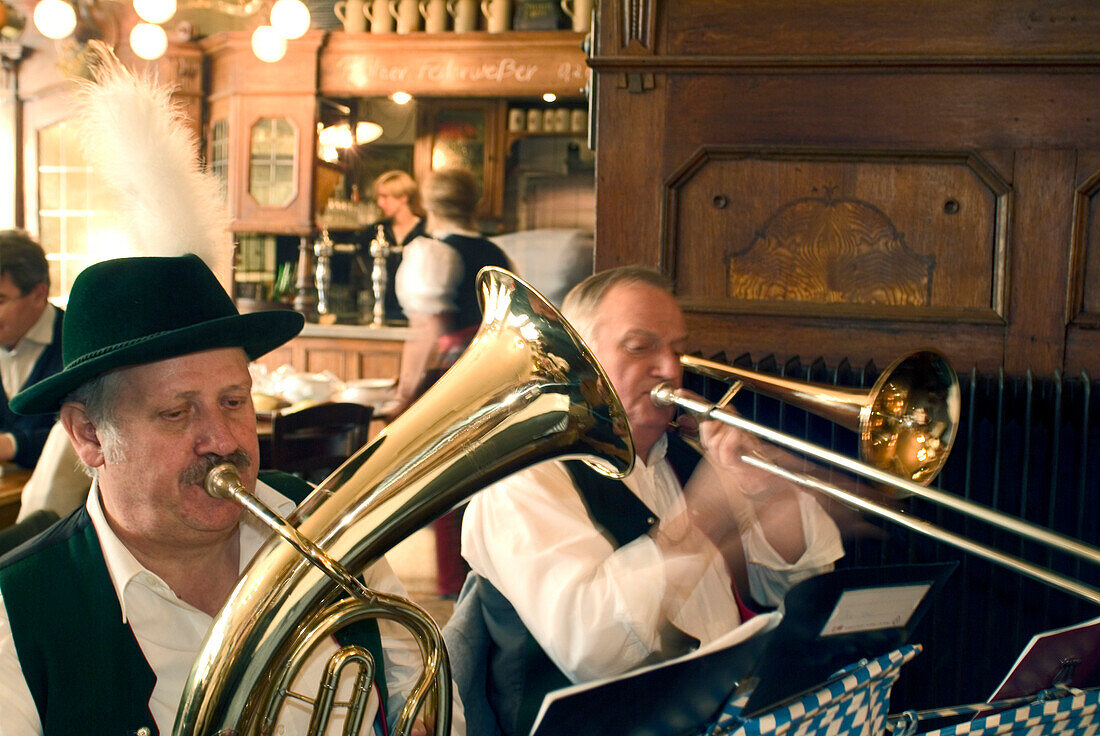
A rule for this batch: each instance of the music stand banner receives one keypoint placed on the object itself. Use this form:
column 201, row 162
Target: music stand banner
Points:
column 855, row 703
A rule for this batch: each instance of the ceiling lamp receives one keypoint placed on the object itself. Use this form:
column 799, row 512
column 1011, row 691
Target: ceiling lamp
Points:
column 401, row 98
column 365, row 132
column 148, row 41
column 335, row 136
column 54, row 18
column 268, row 44
column 290, row 18
column 155, row 11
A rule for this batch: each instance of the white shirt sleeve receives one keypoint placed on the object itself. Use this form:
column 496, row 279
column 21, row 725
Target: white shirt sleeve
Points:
column 427, row 280
column 770, row 576
column 18, row 714
column 595, row 610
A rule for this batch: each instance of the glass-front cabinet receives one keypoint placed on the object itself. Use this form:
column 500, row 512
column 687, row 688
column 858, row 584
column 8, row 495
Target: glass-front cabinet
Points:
column 272, row 163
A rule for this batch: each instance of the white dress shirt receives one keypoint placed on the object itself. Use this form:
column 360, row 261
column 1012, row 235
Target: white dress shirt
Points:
column 16, row 364
column 170, row 633
column 594, row 609
column 427, row 280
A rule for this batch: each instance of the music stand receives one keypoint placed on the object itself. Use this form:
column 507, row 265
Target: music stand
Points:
column 1067, row 656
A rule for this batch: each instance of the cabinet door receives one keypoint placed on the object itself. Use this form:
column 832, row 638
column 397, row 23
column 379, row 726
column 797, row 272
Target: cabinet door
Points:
column 468, row 134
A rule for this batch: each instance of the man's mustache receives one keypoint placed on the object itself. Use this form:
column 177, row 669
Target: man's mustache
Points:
column 195, row 475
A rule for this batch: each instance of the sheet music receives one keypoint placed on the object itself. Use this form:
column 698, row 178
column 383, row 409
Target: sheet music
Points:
column 756, row 625
column 870, row 609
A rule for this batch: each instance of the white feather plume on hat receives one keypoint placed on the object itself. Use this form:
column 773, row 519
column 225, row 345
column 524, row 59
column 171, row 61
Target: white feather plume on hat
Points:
column 143, row 147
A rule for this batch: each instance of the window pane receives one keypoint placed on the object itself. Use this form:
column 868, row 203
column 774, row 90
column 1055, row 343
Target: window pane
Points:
column 273, row 146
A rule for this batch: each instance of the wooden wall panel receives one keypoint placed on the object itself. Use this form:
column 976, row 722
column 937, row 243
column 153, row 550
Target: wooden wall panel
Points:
column 916, row 236
column 739, row 114
column 928, row 28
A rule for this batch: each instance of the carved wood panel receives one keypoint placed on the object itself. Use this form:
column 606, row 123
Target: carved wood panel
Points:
column 862, row 234
column 1085, row 291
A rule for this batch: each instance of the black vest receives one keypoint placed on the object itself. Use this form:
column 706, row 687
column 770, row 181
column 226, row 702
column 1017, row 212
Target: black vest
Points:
column 520, row 672
column 82, row 663
column 477, row 253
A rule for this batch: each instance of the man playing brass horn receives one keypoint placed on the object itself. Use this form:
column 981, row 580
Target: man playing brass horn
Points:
column 604, row 576
column 103, row 615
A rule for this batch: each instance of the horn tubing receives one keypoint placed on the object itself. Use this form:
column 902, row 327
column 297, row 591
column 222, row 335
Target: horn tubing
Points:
column 223, row 481
column 928, row 529
column 665, row 395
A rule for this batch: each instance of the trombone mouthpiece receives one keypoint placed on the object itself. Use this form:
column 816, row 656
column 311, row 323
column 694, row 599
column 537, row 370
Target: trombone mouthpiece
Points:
column 662, row 394
column 223, row 480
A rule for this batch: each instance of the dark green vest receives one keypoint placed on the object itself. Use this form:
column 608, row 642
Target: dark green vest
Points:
column 83, row 666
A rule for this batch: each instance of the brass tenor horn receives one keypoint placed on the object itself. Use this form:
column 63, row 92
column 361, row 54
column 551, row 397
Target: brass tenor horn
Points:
column 907, row 425
column 526, row 390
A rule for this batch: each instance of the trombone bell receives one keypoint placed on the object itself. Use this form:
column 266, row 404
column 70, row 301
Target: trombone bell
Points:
column 906, row 422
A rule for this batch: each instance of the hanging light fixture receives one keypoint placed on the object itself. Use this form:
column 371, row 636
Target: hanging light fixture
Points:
column 148, row 41
column 290, row 18
column 366, row 131
column 155, row 11
column 54, row 18
column 268, row 44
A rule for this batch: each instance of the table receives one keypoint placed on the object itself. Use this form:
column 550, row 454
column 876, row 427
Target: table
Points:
column 11, row 489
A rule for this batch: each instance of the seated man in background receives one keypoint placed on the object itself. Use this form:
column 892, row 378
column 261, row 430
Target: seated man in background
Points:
column 30, row 342
column 580, row 577
column 103, row 614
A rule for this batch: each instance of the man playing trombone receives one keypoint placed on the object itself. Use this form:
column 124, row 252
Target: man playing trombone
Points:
column 578, row 577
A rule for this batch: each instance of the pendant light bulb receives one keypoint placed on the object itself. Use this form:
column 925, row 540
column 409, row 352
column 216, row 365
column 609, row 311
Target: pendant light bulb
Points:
column 148, row 41
column 54, row 18
column 290, row 18
column 268, row 45
column 155, row 11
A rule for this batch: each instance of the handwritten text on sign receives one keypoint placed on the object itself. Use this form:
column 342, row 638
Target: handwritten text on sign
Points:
column 366, row 72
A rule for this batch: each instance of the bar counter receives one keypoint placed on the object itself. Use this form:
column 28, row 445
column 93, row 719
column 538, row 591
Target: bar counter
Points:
column 349, row 351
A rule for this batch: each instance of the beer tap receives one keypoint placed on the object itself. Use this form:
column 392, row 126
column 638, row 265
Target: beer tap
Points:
column 380, row 249
column 323, row 250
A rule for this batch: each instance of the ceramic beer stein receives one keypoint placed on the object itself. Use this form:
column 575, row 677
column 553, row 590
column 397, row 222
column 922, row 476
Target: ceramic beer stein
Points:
column 464, row 13
column 498, row 15
column 379, row 16
column 581, row 13
column 435, row 15
column 407, row 15
column 350, row 13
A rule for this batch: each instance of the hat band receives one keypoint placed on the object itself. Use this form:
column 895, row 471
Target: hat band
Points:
column 77, row 362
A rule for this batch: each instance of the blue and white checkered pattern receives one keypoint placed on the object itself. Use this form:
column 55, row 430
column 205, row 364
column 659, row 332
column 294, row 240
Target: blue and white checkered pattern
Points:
column 855, row 705
column 1073, row 715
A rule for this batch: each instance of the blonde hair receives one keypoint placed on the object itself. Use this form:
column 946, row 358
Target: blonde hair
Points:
column 397, row 183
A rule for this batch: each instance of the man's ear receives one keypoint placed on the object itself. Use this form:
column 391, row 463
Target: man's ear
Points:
column 40, row 293
column 82, row 433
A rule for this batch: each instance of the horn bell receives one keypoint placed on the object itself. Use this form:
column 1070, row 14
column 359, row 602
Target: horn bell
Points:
column 526, row 390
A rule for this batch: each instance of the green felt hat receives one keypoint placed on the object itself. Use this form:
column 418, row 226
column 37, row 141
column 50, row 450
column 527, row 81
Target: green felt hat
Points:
column 131, row 311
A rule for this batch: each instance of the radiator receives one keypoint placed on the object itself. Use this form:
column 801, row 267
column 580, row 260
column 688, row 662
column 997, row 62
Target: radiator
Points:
column 1027, row 446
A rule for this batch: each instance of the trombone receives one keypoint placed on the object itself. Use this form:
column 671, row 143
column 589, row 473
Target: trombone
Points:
column 907, row 423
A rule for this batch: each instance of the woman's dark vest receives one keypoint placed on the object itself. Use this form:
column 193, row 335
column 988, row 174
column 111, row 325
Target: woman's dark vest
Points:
column 476, row 253
column 82, row 663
